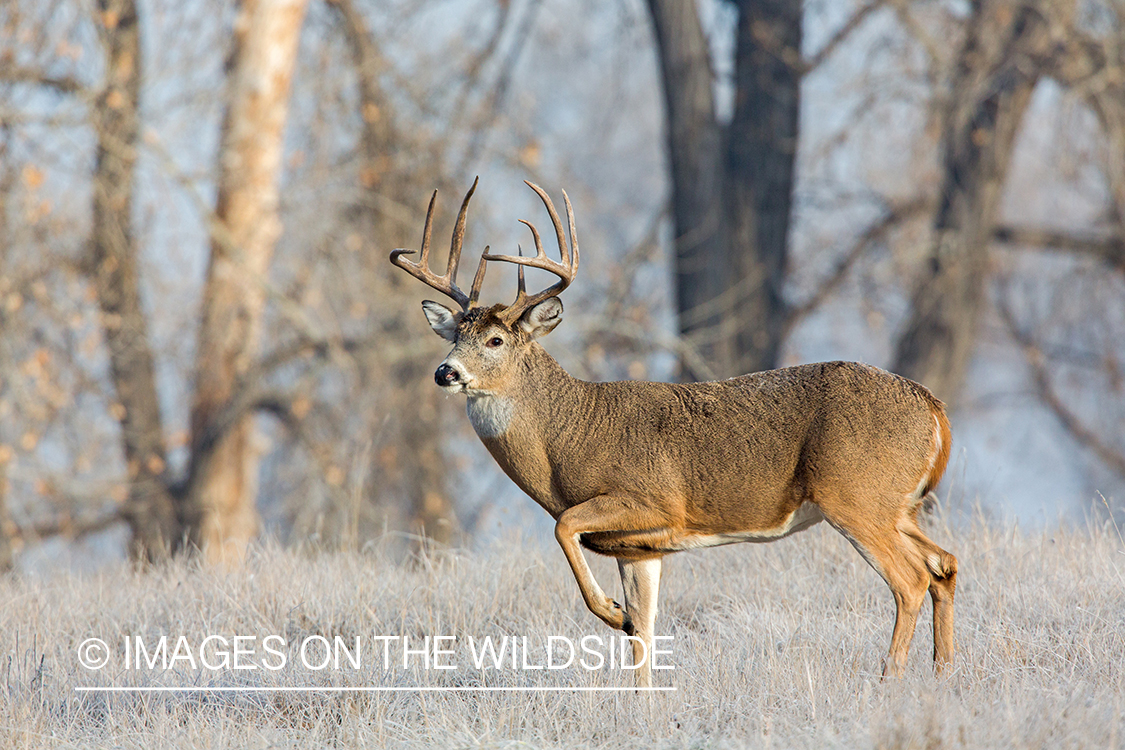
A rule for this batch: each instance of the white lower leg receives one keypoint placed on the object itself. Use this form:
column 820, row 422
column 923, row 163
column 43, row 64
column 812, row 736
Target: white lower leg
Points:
column 640, row 580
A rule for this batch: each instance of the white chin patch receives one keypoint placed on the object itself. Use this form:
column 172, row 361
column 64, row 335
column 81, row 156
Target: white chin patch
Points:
column 490, row 415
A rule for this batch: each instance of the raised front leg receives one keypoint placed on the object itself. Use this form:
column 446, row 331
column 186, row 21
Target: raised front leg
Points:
column 640, row 579
column 599, row 514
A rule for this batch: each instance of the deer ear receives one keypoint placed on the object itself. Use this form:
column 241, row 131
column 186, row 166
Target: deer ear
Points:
column 442, row 320
column 542, row 319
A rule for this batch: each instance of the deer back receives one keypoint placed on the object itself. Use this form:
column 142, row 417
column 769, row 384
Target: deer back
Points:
column 718, row 450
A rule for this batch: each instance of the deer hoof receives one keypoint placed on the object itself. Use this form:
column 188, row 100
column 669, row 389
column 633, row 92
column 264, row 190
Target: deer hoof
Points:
column 613, row 614
column 627, row 626
column 626, row 622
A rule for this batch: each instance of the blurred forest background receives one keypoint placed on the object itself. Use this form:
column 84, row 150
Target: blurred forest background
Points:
column 201, row 338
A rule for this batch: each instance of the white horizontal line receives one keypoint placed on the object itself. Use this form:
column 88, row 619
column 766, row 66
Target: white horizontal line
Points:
column 367, row 689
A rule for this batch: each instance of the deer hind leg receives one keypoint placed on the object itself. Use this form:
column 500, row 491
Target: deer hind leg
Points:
column 942, row 567
column 599, row 514
column 896, row 557
column 640, row 580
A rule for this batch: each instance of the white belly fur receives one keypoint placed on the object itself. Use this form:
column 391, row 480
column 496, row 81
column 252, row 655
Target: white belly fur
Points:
column 490, row 415
column 799, row 520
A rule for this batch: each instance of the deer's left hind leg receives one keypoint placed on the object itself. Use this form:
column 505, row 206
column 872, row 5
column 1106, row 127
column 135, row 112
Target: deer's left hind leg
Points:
column 640, row 579
column 894, row 556
column 942, row 567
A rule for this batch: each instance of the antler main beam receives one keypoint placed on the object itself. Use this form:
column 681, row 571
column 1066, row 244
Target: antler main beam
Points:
column 565, row 270
column 446, row 284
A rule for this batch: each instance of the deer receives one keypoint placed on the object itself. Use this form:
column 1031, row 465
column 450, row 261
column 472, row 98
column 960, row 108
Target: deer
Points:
column 639, row 470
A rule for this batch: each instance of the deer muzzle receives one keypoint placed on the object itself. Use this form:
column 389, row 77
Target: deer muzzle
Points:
column 446, row 376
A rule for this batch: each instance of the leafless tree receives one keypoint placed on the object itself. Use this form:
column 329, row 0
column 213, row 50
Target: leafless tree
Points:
column 223, row 483
column 1010, row 48
column 123, row 396
column 732, row 184
column 424, row 467
column 160, row 511
column 6, row 530
column 151, row 509
column 996, row 71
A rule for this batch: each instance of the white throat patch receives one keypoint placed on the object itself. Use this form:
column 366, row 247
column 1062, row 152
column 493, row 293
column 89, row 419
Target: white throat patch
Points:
column 490, row 415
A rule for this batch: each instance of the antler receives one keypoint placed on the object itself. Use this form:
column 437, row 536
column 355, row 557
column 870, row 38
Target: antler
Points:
column 565, row 270
column 446, row 284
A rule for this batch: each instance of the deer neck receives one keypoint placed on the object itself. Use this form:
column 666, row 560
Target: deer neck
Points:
column 538, row 416
column 530, row 407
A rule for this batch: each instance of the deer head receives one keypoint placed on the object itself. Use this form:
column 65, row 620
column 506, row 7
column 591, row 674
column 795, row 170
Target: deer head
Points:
column 490, row 343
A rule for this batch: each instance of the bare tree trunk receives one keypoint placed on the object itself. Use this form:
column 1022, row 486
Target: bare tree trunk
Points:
column 694, row 148
column 150, row 508
column 378, row 134
column 7, row 529
column 1093, row 67
column 6, row 525
column 224, row 483
column 424, row 465
column 997, row 70
column 761, row 156
column 732, row 187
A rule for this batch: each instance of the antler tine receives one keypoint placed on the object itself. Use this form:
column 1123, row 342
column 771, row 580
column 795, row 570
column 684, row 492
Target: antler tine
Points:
column 427, row 230
column 564, row 250
column 478, row 278
column 421, row 270
column 565, row 270
column 409, row 266
column 458, row 235
column 573, row 232
column 539, row 252
column 521, row 284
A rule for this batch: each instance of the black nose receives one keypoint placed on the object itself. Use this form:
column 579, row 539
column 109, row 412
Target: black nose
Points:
column 446, row 375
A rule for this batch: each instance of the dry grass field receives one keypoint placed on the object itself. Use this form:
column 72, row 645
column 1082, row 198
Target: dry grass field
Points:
column 773, row 646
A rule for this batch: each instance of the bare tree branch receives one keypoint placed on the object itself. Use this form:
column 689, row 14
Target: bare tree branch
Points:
column 482, row 128
column 657, row 340
column 378, row 121
column 219, row 234
column 1107, row 247
column 916, row 30
column 1094, row 70
column 478, row 62
column 1036, row 362
column 876, row 232
column 62, row 84
column 626, row 270
column 72, row 528
column 841, row 35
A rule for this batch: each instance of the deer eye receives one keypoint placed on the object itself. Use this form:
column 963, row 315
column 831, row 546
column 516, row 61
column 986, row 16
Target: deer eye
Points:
column 495, row 341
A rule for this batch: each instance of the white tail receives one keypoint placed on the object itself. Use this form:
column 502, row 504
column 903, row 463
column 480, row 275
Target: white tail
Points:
column 638, row 470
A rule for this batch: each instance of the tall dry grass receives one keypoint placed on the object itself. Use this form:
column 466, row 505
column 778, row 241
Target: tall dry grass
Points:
column 774, row 646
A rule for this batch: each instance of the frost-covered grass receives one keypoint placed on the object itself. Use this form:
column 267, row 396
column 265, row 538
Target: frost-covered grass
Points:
column 774, row 645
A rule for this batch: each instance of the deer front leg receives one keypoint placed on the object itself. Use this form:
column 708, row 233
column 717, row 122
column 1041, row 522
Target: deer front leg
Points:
column 640, row 579
column 602, row 513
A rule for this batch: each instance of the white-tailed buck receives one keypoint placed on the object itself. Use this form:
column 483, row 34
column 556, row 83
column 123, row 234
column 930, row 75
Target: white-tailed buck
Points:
column 639, row 470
